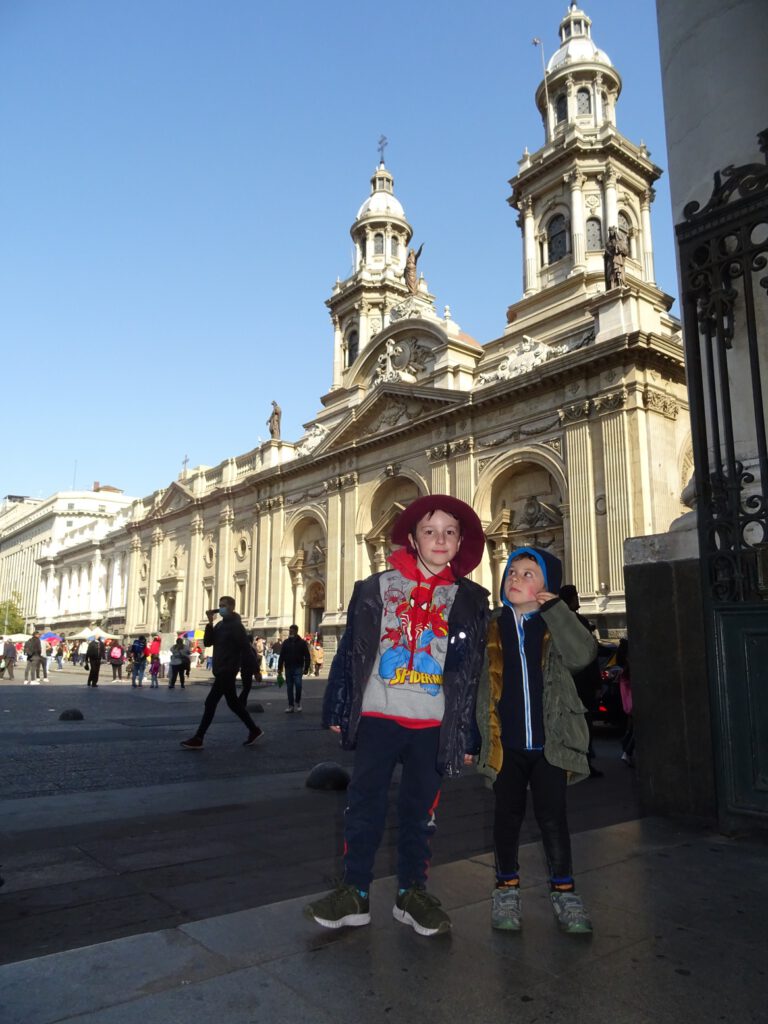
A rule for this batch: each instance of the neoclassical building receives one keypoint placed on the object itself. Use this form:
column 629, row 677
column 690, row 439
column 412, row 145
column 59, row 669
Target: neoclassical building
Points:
column 568, row 431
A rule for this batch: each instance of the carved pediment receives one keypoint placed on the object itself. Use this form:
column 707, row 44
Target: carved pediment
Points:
column 390, row 407
column 176, row 498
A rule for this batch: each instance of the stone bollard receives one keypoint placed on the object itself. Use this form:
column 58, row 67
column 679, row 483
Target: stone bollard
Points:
column 256, row 707
column 72, row 715
column 328, row 775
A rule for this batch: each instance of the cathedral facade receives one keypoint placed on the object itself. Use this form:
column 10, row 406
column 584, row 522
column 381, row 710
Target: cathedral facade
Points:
column 569, row 431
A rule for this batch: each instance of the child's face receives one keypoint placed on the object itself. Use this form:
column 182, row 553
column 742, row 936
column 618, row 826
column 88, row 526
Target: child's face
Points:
column 524, row 580
column 437, row 539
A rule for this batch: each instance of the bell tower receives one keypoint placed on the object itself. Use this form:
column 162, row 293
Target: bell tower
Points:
column 587, row 178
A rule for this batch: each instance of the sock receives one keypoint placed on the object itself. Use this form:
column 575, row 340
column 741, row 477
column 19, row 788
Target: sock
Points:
column 561, row 885
column 507, row 881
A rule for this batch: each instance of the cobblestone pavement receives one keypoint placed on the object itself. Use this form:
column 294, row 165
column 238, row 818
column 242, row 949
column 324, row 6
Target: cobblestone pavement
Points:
column 111, row 829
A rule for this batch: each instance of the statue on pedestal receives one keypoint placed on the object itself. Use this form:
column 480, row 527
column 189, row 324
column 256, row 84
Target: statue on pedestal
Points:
column 411, row 281
column 616, row 252
column 273, row 423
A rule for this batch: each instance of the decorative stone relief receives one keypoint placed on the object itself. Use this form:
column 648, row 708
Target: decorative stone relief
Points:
column 402, row 362
column 528, row 354
column 657, row 401
column 462, row 447
column 397, row 411
column 601, row 505
column 532, row 429
column 555, row 443
column 536, row 514
column 311, row 440
column 439, row 451
column 575, row 412
column 392, row 469
column 611, row 402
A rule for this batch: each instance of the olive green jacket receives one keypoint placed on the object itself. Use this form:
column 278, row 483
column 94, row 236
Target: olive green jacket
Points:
column 567, row 647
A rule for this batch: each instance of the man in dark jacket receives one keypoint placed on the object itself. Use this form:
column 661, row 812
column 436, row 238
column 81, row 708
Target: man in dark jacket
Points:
column 33, row 650
column 93, row 662
column 294, row 661
column 9, row 657
column 230, row 649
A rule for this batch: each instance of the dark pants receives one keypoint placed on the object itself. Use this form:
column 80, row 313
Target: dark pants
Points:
column 245, row 689
column 93, row 672
column 224, row 686
column 177, row 672
column 117, row 670
column 293, row 683
column 548, row 788
column 381, row 743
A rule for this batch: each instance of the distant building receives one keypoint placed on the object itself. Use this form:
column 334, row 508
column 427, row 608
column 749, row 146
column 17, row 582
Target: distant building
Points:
column 569, row 430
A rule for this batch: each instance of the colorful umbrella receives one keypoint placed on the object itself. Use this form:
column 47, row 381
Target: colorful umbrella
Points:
column 51, row 636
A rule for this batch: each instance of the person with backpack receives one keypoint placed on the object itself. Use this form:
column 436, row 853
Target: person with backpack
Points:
column 33, row 650
column 93, row 662
column 139, row 659
column 116, row 659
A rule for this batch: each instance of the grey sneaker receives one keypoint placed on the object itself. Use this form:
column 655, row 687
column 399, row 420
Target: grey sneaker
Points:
column 344, row 906
column 421, row 911
column 570, row 913
column 507, row 909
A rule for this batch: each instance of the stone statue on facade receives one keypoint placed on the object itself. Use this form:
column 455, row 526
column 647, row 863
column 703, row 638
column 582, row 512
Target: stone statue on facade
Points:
column 273, row 423
column 411, row 281
column 616, row 252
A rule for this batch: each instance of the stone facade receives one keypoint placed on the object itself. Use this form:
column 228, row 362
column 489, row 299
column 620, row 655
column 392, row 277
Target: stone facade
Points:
column 568, row 431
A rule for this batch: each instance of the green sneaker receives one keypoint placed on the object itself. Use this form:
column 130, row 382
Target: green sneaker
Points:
column 570, row 913
column 507, row 909
column 421, row 911
column 343, row 906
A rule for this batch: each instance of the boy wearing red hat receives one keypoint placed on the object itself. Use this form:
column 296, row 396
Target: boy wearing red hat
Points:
column 402, row 689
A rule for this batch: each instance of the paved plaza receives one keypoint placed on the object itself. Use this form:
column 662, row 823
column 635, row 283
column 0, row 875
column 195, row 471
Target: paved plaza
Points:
column 146, row 882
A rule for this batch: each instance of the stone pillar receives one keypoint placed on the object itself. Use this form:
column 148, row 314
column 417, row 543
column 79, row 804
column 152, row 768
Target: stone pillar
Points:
column 462, row 465
column 154, row 574
column 193, row 612
column 575, row 179
column 438, row 458
column 581, row 486
column 570, row 91
column 275, row 508
column 350, row 561
column 363, row 328
column 131, row 602
column 598, row 99
column 646, row 199
column 338, row 352
column 334, row 560
column 611, row 204
column 264, row 536
column 224, row 553
column 618, row 483
column 530, row 272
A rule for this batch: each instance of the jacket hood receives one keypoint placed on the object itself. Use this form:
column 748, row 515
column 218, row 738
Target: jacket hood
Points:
column 550, row 565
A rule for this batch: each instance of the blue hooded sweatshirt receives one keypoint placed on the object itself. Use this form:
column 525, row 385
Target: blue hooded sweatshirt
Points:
column 521, row 711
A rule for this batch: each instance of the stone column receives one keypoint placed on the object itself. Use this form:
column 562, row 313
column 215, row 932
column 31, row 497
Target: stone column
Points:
column 276, row 603
column 262, row 528
column 154, row 575
column 570, row 91
column 363, row 328
column 193, row 612
column 224, row 553
column 438, row 458
column 618, row 482
column 646, row 199
column 610, row 180
column 334, row 559
column 598, row 99
column 132, row 589
column 575, row 179
column 338, row 352
column 462, row 464
column 530, row 273
column 581, row 486
column 351, row 559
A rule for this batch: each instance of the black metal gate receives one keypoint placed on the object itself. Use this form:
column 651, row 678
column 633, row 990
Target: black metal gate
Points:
column 723, row 254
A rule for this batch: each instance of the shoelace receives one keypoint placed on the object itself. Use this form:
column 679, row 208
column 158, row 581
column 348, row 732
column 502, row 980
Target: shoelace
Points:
column 572, row 905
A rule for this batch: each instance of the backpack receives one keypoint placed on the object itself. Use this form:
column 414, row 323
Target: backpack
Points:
column 115, row 652
column 28, row 648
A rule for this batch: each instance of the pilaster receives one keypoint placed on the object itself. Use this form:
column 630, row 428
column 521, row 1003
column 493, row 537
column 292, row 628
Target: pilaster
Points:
column 575, row 179
column 578, row 447
column 224, row 552
column 438, row 460
column 646, row 199
column 618, row 482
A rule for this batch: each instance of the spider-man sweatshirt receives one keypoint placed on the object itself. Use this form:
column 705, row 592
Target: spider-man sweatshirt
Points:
column 406, row 683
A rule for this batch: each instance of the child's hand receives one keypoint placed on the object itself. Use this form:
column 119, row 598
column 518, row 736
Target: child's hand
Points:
column 544, row 595
column 469, row 760
column 335, row 728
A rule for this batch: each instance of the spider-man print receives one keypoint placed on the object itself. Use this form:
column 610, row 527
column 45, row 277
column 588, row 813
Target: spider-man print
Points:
column 410, row 659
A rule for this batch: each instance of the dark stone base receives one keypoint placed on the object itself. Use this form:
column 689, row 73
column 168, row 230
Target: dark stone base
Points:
column 328, row 775
column 72, row 715
column 667, row 652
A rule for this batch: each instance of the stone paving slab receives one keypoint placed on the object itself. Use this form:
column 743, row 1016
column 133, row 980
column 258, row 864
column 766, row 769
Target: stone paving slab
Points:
column 270, row 964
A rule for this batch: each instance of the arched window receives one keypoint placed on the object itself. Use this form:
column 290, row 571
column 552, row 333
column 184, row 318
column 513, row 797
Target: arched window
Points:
column 378, row 244
column 556, row 239
column 583, row 102
column 394, row 245
column 594, row 234
column 353, row 346
column 561, row 108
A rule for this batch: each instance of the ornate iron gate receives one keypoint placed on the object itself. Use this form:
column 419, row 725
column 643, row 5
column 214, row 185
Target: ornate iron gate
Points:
column 723, row 254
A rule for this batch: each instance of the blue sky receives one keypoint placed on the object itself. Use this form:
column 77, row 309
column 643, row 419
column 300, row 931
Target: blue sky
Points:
column 177, row 184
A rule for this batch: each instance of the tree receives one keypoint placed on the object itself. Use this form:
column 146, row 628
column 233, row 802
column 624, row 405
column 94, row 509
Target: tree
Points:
column 11, row 619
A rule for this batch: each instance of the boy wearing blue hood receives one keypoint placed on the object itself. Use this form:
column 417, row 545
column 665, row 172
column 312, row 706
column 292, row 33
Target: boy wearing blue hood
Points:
column 533, row 729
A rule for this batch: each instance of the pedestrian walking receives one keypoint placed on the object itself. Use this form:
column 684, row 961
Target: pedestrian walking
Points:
column 138, row 660
column 317, row 654
column 401, row 690
column 116, row 659
column 10, row 655
column 34, row 651
column 178, row 664
column 294, row 663
column 93, row 662
column 154, row 672
column 230, row 648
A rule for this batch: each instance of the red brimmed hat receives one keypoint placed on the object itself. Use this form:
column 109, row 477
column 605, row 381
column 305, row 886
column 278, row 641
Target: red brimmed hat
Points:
column 470, row 553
